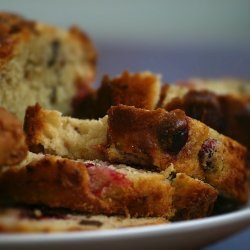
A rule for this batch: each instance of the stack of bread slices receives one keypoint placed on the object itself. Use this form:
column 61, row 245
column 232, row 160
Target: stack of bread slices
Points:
column 126, row 154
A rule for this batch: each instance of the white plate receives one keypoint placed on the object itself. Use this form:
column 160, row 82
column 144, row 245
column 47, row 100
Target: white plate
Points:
column 190, row 234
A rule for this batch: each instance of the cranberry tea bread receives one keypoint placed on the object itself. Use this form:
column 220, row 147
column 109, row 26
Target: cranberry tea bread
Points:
column 47, row 131
column 47, row 220
column 13, row 148
column 44, row 64
column 148, row 139
column 222, row 104
column 98, row 187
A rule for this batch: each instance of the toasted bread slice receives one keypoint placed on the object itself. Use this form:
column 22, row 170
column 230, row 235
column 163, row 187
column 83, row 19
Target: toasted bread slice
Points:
column 149, row 139
column 13, row 148
column 220, row 86
column 45, row 220
column 41, row 63
column 47, row 131
column 140, row 89
column 98, row 187
column 221, row 104
column 158, row 138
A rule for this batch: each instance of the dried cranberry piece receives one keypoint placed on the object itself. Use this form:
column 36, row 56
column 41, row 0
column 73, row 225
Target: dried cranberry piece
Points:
column 103, row 177
column 206, row 154
column 172, row 132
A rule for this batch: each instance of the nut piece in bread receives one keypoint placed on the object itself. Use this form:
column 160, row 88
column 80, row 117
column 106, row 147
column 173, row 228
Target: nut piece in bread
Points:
column 98, row 187
column 148, row 139
column 44, row 64
column 13, row 148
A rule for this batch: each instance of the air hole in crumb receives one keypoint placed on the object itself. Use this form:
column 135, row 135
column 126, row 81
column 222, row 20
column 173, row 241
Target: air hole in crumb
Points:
column 77, row 130
column 39, row 148
column 172, row 176
column 91, row 223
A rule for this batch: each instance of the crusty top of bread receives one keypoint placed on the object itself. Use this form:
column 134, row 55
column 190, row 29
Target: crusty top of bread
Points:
column 158, row 138
column 140, row 89
column 95, row 188
column 221, row 104
column 44, row 64
column 13, row 148
column 14, row 28
column 132, row 89
column 99, row 187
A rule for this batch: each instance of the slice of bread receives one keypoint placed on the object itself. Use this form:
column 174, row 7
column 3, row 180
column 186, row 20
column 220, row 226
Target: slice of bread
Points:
column 47, row 131
column 159, row 138
column 220, row 86
column 98, row 187
column 45, row 220
column 13, row 148
column 221, row 104
column 148, row 139
column 44, row 64
column 140, row 89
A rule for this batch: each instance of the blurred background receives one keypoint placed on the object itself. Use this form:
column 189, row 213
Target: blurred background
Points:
column 178, row 39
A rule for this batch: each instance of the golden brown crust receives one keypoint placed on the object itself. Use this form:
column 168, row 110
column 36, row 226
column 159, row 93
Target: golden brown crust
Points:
column 227, row 114
column 133, row 89
column 137, row 89
column 156, row 138
column 44, row 64
column 58, row 182
column 163, row 93
column 13, row 148
column 47, row 180
column 33, row 124
column 159, row 138
column 12, row 28
column 140, row 135
column 47, row 131
column 100, row 188
column 192, row 198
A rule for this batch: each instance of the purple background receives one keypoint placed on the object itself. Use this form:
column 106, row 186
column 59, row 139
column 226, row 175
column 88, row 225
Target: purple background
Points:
column 175, row 63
